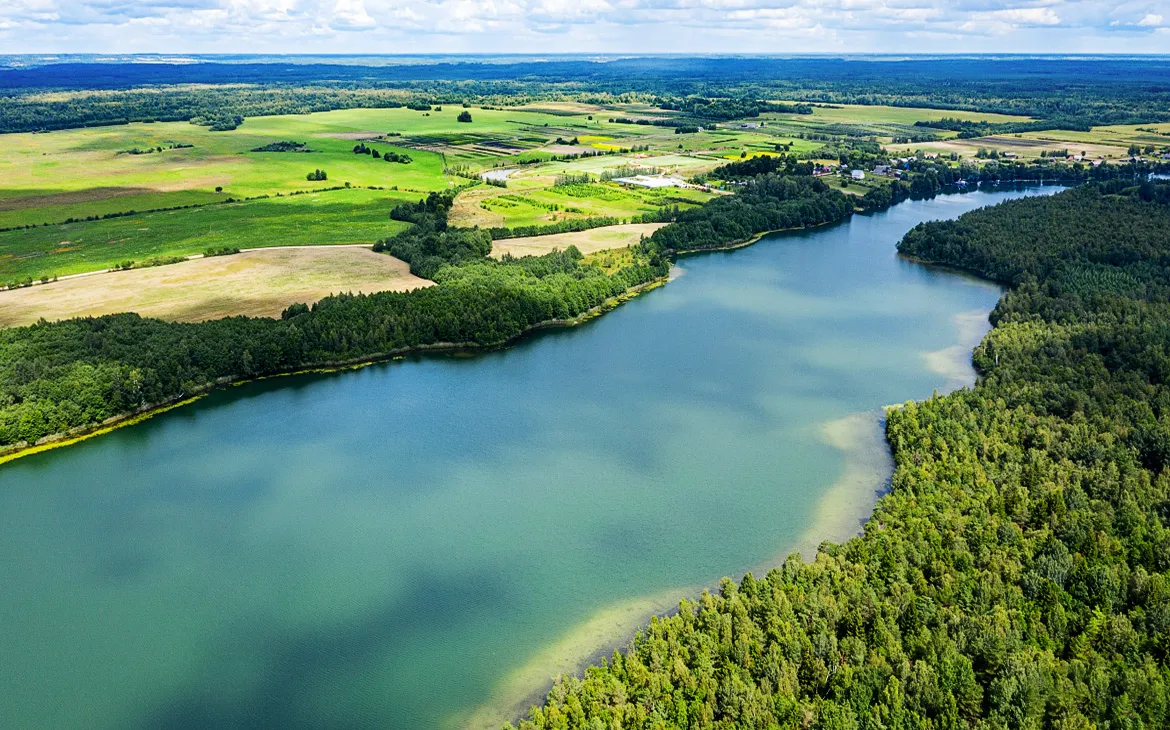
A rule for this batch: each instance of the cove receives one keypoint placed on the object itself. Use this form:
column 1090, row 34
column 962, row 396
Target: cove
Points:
column 412, row 544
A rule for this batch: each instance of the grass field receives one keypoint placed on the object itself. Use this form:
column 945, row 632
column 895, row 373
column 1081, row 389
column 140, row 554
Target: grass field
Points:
column 46, row 179
column 551, row 204
column 587, row 242
column 332, row 217
column 255, row 283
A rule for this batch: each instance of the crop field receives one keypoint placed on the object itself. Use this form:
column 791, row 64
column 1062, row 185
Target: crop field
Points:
column 537, row 201
column 254, row 283
column 330, row 217
column 858, row 114
column 1025, row 146
column 587, row 242
column 90, row 199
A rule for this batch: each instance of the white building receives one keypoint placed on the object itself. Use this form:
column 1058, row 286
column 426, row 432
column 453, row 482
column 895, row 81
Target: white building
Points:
column 857, row 175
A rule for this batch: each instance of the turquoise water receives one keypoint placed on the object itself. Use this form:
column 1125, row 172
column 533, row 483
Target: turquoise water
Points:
column 378, row 549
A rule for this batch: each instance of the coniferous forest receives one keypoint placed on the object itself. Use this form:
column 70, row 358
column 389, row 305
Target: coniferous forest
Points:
column 1016, row 575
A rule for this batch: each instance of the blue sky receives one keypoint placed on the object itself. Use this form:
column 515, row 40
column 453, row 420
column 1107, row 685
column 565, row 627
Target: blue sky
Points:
column 583, row 26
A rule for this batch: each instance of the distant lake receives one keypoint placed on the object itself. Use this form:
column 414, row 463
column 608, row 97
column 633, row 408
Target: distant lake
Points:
column 397, row 546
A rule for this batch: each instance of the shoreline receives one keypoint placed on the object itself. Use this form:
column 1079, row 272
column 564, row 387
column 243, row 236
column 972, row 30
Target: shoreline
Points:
column 954, row 361
column 76, row 435
column 83, row 433
column 840, row 514
column 758, row 237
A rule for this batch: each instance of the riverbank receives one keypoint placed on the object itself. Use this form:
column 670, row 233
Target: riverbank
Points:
column 841, row 513
column 77, row 435
column 760, row 236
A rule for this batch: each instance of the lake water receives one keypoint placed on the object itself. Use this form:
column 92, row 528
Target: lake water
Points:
column 404, row 545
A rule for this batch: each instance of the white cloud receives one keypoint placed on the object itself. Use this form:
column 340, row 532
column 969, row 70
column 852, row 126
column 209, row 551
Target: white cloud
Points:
column 519, row 26
column 350, row 15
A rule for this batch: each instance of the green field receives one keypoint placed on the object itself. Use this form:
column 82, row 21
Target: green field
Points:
column 333, row 217
column 549, row 205
column 47, row 179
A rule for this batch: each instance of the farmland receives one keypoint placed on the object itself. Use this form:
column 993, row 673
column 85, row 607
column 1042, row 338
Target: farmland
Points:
column 254, row 283
column 140, row 194
column 587, row 242
column 337, row 216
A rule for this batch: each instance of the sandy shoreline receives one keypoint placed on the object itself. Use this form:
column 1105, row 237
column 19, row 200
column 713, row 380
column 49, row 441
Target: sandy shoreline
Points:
column 954, row 362
column 840, row 515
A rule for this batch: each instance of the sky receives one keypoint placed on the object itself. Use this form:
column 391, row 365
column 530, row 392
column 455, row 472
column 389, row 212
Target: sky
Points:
column 584, row 26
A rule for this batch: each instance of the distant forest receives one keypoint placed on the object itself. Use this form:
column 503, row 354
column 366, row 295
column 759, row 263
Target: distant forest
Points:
column 1060, row 92
column 1018, row 573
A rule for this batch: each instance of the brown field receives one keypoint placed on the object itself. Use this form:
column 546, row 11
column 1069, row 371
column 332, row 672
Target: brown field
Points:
column 71, row 197
column 587, row 242
column 467, row 213
column 258, row 283
column 561, row 107
column 1025, row 147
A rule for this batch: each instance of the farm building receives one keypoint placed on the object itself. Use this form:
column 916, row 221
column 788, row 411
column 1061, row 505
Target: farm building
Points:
column 857, row 175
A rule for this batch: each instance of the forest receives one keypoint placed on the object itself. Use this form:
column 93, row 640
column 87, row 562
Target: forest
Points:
column 1016, row 574
column 1064, row 93
column 763, row 203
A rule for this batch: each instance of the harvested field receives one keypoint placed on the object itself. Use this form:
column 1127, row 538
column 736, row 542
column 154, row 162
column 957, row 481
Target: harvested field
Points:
column 587, row 242
column 1025, row 147
column 467, row 211
column 255, row 283
column 70, row 197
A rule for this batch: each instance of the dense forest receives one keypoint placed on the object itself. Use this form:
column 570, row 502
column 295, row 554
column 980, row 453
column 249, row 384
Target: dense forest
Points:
column 1017, row 575
column 59, row 376
column 1056, row 92
column 761, row 204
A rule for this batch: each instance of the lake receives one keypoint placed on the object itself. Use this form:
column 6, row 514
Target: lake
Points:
column 423, row 543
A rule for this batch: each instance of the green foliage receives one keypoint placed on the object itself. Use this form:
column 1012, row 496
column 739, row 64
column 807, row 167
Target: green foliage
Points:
column 317, row 176
column 389, row 156
column 762, row 165
column 572, row 225
column 285, row 146
column 766, row 203
column 572, row 179
column 464, row 116
column 219, row 122
column 1017, row 575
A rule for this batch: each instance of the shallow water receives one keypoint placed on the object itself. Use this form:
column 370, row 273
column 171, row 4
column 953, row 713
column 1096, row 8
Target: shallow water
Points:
column 391, row 547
